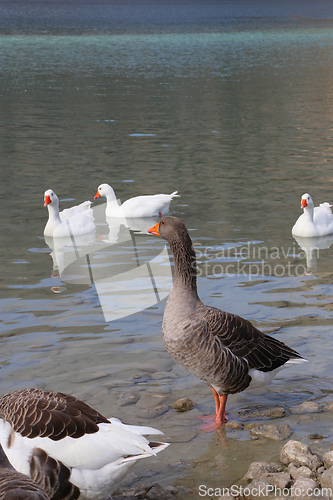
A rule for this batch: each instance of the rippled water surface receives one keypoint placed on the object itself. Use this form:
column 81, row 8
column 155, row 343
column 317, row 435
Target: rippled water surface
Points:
column 230, row 103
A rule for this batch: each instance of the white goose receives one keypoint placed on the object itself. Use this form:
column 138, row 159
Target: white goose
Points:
column 70, row 222
column 139, row 206
column 97, row 451
column 315, row 221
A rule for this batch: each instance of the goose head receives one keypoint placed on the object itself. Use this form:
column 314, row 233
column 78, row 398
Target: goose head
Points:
column 50, row 198
column 306, row 201
column 170, row 228
column 105, row 190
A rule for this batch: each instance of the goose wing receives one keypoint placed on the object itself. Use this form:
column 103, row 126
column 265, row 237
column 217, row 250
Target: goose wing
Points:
column 238, row 335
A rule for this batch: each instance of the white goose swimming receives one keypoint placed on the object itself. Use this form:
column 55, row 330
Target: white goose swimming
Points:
column 139, row 206
column 315, row 221
column 224, row 350
column 97, row 451
column 70, row 222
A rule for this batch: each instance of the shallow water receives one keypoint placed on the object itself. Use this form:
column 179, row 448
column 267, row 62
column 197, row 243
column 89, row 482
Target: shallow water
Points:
column 231, row 107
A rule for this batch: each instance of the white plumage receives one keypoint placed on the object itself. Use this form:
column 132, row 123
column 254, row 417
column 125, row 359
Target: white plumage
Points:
column 139, row 206
column 98, row 451
column 70, row 222
column 315, row 221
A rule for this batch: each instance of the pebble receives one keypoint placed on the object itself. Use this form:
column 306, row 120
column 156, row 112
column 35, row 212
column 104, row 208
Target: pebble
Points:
column 316, row 436
column 271, row 431
column 183, row 404
column 275, row 412
column 233, row 425
column 181, row 464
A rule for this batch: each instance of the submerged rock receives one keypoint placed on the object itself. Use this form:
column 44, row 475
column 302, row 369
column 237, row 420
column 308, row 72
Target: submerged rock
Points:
column 271, row 431
column 307, row 407
column 299, row 454
column 274, row 412
column 152, row 491
column 127, row 398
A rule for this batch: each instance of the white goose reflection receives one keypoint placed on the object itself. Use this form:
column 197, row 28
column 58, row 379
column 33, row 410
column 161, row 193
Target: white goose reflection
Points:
column 311, row 247
column 129, row 270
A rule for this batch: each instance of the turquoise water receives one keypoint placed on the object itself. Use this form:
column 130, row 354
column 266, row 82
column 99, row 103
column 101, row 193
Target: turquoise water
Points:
column 230, row 106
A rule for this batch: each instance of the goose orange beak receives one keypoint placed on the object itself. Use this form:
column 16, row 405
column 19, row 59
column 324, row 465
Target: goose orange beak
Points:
column 97, row 195
column 154, row 229
column 47, row 200
column 304, row 204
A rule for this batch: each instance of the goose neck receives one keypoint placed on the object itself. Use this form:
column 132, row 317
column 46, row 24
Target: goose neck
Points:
column 185, row 273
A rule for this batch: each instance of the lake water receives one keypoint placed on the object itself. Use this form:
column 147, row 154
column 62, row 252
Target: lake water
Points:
column 230, row 103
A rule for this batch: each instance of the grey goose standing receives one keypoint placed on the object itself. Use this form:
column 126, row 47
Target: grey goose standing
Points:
column 223, row 349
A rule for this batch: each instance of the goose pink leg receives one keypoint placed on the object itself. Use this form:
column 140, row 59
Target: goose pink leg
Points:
column 213, row 422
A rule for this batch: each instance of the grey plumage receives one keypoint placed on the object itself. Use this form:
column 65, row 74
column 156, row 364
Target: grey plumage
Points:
column 216, row 346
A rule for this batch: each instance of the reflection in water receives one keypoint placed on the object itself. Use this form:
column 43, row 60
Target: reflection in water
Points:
column 127, row 274
column 311, row 247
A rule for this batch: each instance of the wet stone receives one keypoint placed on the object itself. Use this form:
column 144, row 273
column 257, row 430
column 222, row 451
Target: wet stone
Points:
column 233, row 425
column 152, row 491
column 278, row 479
column 274, row 412
column 316, row 436
column 307, row 407
column 302, row 485
column 329, row 407
column 271, row 431
column 303, row 471
column 326, row 479
column 299, row 454
column 257, row 469
column 328, row 459
column 259, row 488
column 183, row 404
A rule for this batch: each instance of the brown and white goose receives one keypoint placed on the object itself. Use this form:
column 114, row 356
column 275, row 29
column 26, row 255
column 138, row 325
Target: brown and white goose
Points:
column 97, row 451
column 49, row 480
column 224, row 350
